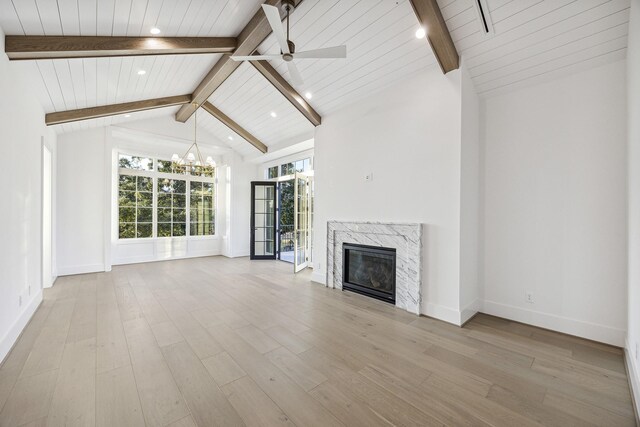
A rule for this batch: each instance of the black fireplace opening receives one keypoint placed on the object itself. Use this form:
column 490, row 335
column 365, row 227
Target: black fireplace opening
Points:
column 369, row 270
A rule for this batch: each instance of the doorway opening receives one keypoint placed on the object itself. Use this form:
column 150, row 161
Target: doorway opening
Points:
column 47, row 252
column 282, row 216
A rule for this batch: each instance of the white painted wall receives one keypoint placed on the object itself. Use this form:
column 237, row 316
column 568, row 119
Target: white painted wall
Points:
column 239, row 211
column 633, row 93
column 555, row 204
column 469, row 200
column 81, row 208
column 87, row 208
column 22, row 129
column 408, row 136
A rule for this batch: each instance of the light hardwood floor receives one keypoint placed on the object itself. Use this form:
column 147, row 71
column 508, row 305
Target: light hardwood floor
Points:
column 214, row 341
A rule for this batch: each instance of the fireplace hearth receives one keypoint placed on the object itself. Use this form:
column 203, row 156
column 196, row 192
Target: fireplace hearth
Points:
column 369, row 270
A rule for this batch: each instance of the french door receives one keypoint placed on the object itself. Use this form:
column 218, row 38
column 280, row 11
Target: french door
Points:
column 302, row 221
column 263, row 220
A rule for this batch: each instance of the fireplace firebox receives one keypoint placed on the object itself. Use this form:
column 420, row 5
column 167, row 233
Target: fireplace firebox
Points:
column 369, row 270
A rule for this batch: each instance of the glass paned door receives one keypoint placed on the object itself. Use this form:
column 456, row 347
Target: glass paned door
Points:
column 301, row 222
column 263, row 220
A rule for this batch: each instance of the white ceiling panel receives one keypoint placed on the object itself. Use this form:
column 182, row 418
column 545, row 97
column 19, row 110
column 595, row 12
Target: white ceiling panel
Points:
column 126, row 17
column 249, row 99
column 381, row 48
column 532, row 40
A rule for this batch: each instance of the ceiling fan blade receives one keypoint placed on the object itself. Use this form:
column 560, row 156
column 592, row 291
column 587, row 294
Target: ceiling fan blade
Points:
column 324, row 53
column 273, row 16
column 256, row 57
column 294, row 73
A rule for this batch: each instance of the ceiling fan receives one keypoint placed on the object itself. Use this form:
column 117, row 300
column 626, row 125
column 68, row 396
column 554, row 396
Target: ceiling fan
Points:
column 287, row 48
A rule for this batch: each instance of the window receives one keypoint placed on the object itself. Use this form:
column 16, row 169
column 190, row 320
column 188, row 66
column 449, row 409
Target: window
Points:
column 178, row 199
column 172, row 207
column 285, row 169
column 201, row 213
column 135, row 199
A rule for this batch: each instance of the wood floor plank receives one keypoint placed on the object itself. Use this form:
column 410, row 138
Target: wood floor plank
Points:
column 29, row 400
column 208, row 404
column 223, row 368
column 210, row 341
column 257, row 339
column 46, row 353
column 117, row 402
column 74, row 398
column 184, row 422
column 112, row 351
column 161, row 401
column 288, row 339
column 299, row 406
column 253, row 405
column 304, row 375
column 166, row 333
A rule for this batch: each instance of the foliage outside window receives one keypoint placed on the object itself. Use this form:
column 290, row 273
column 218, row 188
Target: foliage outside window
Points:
column 135, row 201
column 272, row 172
column 180, row 199
column 172, row 207
column 202, row 215
column 289, row 168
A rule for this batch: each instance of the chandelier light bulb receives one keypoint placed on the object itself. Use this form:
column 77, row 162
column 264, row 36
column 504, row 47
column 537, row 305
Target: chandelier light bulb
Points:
column 191, row 157
column 175, row 158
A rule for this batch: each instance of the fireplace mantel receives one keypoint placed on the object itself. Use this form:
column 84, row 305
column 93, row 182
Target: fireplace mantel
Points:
column 406, row 238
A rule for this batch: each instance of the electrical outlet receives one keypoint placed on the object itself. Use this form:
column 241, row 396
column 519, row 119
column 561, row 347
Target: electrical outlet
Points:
column 368, row 177
column 529, row 297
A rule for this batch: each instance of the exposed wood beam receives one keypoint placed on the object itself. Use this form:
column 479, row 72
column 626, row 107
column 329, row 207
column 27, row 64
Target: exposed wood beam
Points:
column 430, row 17
column 251, row 36
column 114, row 109
column 50, row 47
column 209, row 108
column 288, row 91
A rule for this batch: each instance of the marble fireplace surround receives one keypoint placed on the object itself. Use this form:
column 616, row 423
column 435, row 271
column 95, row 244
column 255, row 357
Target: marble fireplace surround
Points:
column 406, row 238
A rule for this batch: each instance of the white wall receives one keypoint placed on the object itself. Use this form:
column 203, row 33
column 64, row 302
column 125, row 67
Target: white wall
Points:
column 81, row 208
column 408, row 136
column 22, row 128
column 242, row 173
column 555, row 204
column 633, row 92
column 87, row 223
column 469, row 200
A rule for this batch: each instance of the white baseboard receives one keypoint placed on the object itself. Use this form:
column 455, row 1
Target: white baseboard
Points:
column 319, row 277
column 443, row 313
column 156, row 258
column 579, row 328
column 80, row 269
column 469, row 311
column 633, row 372
column 16, row 329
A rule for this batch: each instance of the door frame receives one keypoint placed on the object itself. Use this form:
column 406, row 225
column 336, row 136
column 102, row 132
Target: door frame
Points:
column 252, row 247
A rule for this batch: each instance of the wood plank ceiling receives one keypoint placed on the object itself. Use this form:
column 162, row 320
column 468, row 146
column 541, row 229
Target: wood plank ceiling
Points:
column 531, row 40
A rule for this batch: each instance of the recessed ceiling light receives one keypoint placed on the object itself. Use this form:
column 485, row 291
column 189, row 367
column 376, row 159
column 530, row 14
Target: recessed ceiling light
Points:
column 230, row 138
column 308, row 95
column 273, row 114
column 141, row 72
column 155, row 30
column 127, row 115
column 420, row 33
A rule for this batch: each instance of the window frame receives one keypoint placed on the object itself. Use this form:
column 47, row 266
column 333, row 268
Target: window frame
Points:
column 156, row 176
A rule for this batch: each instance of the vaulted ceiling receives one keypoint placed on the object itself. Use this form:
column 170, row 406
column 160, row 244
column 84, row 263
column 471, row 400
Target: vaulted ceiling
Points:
column 530, row 40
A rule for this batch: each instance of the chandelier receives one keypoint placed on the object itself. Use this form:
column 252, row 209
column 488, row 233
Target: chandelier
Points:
column 190, row 163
